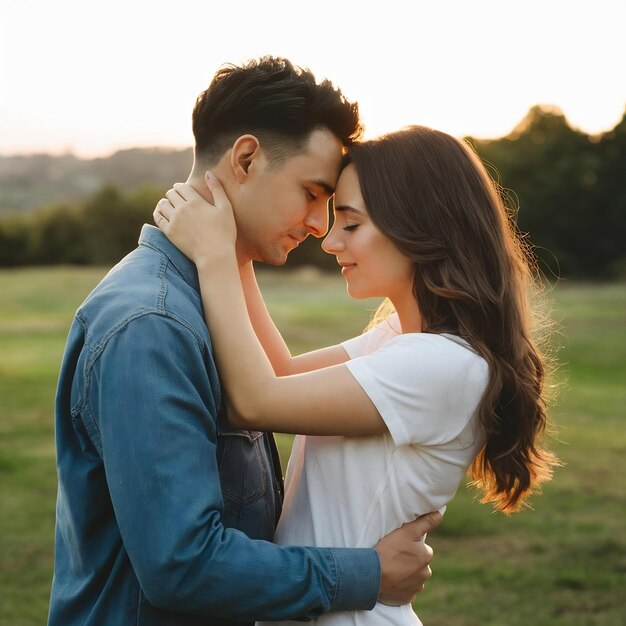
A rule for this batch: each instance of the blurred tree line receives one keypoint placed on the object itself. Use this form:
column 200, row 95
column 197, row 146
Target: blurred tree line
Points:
column 569, row 189
column 565, row 186
column 99, row 231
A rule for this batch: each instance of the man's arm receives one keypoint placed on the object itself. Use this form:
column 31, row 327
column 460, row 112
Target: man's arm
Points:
column 153, row 406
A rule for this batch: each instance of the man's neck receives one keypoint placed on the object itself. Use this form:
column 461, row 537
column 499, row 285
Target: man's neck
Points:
column 198, row 183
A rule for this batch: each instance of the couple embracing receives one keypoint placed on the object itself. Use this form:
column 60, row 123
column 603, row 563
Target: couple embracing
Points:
column 170, row 506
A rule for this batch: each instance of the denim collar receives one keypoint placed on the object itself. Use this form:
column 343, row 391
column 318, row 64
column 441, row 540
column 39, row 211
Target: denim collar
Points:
column 152, row 237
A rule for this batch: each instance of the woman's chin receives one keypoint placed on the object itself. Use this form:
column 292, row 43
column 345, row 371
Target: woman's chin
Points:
column 355, row 293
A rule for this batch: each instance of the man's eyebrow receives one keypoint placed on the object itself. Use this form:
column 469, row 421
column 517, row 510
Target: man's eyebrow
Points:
column 347, row 208
column 328, row 189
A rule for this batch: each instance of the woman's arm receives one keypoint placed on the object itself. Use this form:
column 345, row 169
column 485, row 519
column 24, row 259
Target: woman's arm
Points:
column 272, row 341
column 326, row 401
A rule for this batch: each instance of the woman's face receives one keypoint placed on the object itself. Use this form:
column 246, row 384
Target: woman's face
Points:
column 371, row 264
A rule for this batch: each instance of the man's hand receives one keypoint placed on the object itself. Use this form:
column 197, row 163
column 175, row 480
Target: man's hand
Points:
column 404, row 559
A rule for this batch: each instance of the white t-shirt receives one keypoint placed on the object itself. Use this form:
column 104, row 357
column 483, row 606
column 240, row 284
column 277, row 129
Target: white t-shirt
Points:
column 352, row 491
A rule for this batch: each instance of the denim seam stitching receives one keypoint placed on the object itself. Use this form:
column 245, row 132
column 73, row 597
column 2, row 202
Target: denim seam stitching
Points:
column 167, row 259
column 337, row 586
column 97, row 348
column 163, row 289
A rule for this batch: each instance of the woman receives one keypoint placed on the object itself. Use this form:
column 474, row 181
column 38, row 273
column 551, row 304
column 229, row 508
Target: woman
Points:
column 447, row 377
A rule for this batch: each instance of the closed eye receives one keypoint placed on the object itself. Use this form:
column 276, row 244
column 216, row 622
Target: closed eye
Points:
column 310, row 195
column 349, row 228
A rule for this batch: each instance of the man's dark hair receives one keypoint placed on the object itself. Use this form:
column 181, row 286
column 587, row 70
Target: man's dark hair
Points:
column 278, row 102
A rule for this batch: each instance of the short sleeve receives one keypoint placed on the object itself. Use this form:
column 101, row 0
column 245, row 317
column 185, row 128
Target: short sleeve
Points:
column 426, row 387
column 374, row 338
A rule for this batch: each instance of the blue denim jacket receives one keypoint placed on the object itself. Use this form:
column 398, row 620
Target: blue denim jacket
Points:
column 155, row 489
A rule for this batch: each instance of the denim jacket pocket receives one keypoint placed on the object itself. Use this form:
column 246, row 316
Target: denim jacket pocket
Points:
column 242, row 464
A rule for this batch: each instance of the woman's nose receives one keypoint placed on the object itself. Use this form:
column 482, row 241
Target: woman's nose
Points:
column 332, row 242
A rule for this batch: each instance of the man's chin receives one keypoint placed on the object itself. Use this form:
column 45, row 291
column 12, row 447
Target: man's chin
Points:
column 275, row 257
column 277, row 262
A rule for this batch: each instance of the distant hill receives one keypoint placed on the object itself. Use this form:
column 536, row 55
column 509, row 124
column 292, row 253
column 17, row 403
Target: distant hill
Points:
column 30, row 182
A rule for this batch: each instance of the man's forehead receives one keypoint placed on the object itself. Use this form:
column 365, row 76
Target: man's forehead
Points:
column 321, row 159
column 324, row 145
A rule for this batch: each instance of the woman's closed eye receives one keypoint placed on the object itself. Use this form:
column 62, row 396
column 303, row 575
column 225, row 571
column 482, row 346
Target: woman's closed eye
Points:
column 350, row 227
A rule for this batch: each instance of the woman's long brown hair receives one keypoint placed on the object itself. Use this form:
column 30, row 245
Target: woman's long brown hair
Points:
column 474, row 277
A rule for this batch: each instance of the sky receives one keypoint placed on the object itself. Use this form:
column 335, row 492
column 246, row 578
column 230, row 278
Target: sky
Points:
column 91, row 78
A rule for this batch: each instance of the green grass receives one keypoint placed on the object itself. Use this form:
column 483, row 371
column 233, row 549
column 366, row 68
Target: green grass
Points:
column 36, row 306
column 563, row 563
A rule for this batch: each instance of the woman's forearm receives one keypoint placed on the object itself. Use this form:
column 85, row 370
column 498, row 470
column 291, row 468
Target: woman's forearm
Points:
column 245, row 369
column 278, row 352
column 272, row 341
column 326, row 401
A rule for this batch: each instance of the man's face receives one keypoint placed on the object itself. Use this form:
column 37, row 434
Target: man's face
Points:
column 278, row 207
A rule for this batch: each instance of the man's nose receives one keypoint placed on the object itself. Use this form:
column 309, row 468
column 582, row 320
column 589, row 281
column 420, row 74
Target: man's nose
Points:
column 316, row 220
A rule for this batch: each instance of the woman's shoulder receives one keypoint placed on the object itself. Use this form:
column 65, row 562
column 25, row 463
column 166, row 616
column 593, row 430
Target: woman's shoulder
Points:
column 426, row 386
column 443, row 343
column 443, row 356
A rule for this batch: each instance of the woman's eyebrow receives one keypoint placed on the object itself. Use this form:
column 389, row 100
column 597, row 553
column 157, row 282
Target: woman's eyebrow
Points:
column 348, row 208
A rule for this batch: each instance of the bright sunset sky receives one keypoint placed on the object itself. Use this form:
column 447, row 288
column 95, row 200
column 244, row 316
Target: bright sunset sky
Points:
column 90, row 78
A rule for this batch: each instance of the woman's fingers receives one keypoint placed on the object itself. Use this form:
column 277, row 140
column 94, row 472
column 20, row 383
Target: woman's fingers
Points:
column 186, row 192
column 162, row 212
column 220, row 199
column 175, row 197
column 184, row 203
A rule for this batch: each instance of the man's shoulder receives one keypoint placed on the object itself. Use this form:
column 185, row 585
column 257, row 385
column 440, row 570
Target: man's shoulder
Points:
column 142, row 284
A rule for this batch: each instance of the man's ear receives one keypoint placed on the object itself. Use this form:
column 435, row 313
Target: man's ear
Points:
column 245, row 150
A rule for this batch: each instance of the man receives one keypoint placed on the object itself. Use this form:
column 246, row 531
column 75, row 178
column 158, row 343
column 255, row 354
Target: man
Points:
column 155, row 490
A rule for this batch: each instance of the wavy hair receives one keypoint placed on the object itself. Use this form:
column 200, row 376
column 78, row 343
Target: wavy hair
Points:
column 475, row 277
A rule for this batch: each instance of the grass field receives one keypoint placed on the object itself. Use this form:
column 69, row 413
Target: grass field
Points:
column 563, row 563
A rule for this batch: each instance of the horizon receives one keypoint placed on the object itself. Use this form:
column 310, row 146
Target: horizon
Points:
column 469, row 69
column 70, row 152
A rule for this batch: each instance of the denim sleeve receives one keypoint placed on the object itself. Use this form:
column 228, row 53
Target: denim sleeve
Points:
column 153, row 408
